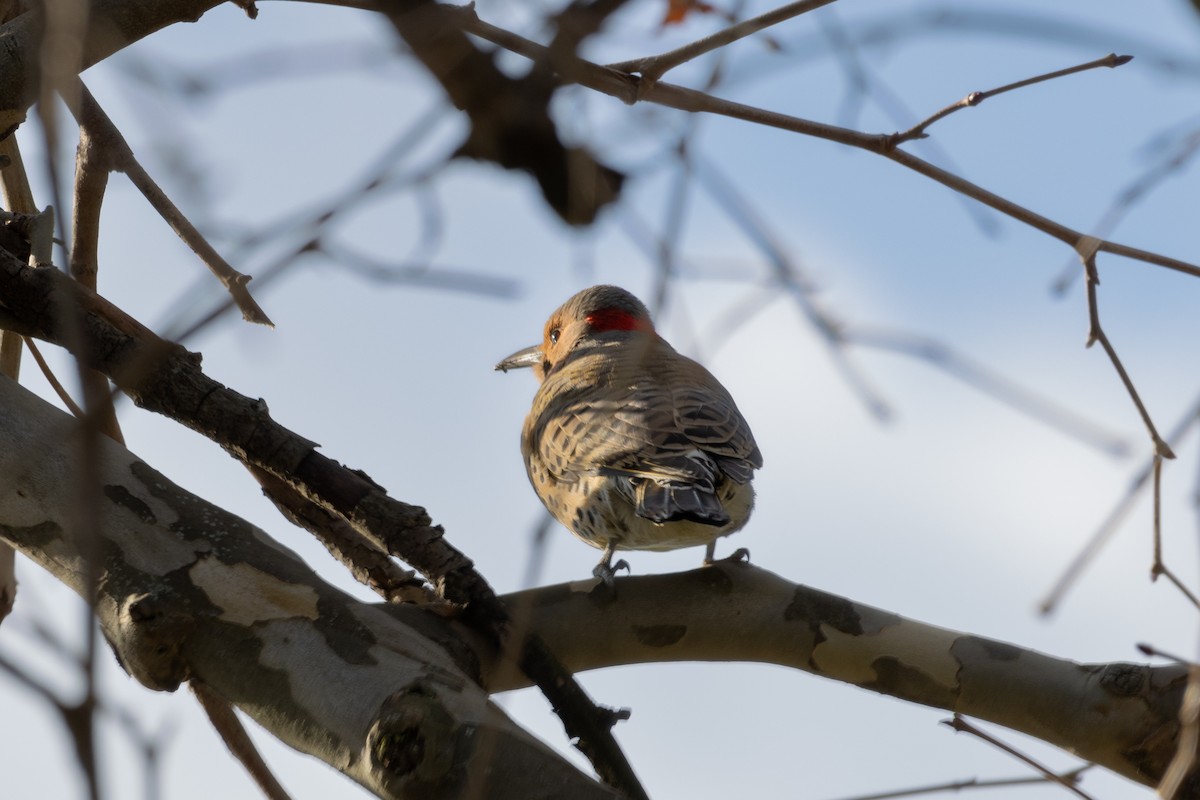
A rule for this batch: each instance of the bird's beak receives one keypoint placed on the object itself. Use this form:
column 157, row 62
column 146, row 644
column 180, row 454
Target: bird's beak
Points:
column 529, row 357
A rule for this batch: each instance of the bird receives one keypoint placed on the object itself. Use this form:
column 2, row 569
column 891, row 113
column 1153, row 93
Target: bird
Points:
column 629, row 444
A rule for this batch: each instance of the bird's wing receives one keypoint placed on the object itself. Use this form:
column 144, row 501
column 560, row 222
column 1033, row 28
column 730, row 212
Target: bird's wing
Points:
column 663, row 433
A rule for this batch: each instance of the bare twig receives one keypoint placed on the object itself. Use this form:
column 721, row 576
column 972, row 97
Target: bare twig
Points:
column 1087, row 252
column 53, row 380
column 651, row 68
column 626, row 87
column 790, row 278
column 960, row 725
column 1129, row 196
column 1154, row 652
column 233, row 734
column 1118, row 513
column 120, row 157
column 1071, row 776
column 917, row 131
column 1159, row 567
column 860, row 81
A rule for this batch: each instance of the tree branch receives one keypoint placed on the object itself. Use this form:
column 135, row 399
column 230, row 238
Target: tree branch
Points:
column 1121, row 716
column 163, row 377
column 191, row 592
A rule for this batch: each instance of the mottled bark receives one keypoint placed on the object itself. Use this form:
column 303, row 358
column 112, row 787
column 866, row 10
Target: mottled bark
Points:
column 189, row 591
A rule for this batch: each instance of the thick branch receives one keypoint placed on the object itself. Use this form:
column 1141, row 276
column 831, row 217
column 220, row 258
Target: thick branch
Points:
column 190, row 591
column 1121, row 716
column 165, row 378
column 111, row 25
column 510, row 118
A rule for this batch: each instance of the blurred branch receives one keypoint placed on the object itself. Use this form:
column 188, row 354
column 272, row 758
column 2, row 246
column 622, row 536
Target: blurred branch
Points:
column 1117, row 515
column 975, row 98
column 626, row 87
column 18, row 198
column 1134, row 192
column 78, row 719
column 510, row 118
column 1003, row 389
column 110, row 26
column 1071, row 776
column 862, row 82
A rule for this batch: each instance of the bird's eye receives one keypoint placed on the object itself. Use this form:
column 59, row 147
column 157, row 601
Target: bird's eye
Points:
column 554, row 332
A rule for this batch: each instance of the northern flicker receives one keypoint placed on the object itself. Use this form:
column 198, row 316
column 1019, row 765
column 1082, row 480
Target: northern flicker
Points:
column 629, row 444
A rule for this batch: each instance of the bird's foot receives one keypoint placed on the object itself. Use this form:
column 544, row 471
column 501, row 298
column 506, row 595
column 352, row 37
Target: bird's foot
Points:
column 737, row 556
column 607, row 572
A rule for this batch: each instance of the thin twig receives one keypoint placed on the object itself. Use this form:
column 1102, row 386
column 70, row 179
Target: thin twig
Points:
column 1129, row 196
column 859, row 78
column 233, row 734
column 1116, row 516
column 1071, row 776
column 960, row 724
column 787, row 273
column 91, row 116
column 1154, row 652
column 1096, row 333
column 626, row 87
column 651, row 68
column 53, row 380
column 917, row 131
column 1159, row 567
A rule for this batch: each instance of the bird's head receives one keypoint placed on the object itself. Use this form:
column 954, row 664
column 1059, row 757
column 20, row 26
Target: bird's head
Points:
column 593, row 315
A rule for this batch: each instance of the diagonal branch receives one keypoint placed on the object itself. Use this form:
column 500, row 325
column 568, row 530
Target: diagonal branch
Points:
column 102, row 135
column 163, row 377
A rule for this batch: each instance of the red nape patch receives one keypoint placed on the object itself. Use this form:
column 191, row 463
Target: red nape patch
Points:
column 617, row 319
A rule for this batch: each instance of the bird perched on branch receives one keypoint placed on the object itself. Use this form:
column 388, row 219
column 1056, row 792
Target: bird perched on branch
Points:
column 629, row 444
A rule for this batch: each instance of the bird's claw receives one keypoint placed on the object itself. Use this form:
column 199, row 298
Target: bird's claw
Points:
column 606, row 572
column 741, row 555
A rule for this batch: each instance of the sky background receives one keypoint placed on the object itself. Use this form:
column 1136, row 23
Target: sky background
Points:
column 958, row 510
